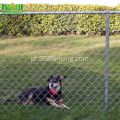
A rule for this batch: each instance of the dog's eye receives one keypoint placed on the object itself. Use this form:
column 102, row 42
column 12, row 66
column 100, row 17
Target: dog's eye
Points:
column 55, row 80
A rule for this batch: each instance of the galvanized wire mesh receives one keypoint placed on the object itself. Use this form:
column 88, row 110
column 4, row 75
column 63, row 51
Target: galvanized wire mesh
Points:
column 70, row 44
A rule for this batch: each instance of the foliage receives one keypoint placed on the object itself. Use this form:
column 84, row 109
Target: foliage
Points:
column 59, row 24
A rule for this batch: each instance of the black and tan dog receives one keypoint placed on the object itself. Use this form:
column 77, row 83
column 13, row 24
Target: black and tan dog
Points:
column 50, row 94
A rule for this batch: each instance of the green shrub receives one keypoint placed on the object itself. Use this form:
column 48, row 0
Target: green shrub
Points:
column 59, row 24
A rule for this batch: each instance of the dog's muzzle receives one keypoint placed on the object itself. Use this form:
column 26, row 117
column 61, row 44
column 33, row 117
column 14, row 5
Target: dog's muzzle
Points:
column 54, row 86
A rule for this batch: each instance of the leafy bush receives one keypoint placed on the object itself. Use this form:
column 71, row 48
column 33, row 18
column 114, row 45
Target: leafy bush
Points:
column 59, row 24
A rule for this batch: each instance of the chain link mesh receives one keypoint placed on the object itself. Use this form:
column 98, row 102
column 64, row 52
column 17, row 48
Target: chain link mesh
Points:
column 60, row 44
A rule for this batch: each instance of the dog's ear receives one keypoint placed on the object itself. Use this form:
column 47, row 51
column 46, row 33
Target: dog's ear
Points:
column 61, row 77
column 50, row 78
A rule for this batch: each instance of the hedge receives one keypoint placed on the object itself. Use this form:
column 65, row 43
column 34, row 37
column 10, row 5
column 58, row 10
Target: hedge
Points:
column 59, row 24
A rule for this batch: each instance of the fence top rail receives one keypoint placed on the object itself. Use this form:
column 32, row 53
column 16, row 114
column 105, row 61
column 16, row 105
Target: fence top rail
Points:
column 64, row 12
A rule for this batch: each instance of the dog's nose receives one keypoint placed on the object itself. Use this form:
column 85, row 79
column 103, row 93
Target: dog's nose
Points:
column 52, row 85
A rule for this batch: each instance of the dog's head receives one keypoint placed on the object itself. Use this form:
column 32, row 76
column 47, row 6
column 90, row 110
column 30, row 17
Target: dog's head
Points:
column 55, row 83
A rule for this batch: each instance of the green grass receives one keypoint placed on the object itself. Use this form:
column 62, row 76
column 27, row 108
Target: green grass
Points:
column 83, row 88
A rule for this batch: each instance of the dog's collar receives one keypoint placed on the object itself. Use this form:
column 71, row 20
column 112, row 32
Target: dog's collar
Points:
column 53, row 92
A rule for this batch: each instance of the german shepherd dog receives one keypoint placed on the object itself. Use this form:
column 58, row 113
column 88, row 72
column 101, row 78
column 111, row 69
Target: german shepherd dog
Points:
column 50, row 94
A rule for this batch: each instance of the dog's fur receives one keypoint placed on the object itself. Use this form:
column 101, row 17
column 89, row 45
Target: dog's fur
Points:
column 50, row 94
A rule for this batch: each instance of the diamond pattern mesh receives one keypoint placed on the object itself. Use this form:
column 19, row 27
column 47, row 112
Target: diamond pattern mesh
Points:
column 70, row 45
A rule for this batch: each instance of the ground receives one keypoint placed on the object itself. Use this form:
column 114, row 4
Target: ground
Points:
column 29, row 61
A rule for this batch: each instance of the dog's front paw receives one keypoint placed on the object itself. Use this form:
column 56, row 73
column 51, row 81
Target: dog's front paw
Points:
column 67, row 107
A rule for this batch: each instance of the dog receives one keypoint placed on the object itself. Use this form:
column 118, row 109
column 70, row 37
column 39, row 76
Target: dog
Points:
column 50, row 94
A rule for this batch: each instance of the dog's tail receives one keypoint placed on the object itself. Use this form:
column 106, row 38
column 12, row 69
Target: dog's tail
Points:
column 9, row 101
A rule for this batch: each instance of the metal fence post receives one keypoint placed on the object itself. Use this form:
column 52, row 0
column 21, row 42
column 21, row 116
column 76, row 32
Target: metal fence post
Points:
column 107, row 62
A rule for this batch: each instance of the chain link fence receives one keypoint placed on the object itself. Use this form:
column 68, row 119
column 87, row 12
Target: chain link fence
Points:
column 83, row 46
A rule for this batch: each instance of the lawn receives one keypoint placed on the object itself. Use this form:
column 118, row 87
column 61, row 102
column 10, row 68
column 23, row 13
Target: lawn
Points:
column 29, row 61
